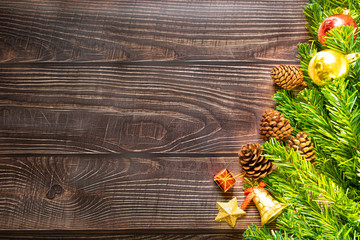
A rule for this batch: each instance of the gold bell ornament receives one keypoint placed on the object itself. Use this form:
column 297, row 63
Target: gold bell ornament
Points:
column 267, row 206
column 329, row 64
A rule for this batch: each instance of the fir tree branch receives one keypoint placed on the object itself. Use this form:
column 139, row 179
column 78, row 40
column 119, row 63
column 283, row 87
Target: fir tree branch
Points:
column 344, row 112
column 256, row 233
column 306, row 52
column 307, row 112
column 341, row 39
column 314, row 17
column 334, row 4
column 324, row 208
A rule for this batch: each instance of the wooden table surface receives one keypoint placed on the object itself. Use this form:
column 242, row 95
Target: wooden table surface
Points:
column 130, row 108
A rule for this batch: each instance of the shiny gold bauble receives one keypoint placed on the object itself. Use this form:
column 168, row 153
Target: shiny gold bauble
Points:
column 328, row 65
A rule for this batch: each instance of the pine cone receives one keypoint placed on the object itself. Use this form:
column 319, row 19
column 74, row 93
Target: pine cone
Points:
column 303, row 143
column 288, row 77
column 253, row 164
column 274, row 125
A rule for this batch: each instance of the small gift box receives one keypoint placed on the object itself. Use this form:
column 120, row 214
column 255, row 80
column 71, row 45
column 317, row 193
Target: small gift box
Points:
column 224, row 179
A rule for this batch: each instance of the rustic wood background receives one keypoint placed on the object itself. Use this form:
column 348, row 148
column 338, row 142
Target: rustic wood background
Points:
column 130, row 108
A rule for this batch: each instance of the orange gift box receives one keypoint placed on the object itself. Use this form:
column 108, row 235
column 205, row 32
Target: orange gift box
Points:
column 224, row 179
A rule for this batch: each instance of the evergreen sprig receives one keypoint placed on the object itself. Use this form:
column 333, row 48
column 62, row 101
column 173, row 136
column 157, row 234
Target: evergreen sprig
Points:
column 256, row 233
column 314, row 15
column 334, row 5
column 306, row 52
column 343, row 106
column 341, row 39
column 319, row 206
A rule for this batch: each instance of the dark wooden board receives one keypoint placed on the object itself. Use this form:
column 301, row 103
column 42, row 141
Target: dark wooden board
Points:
column 96, row 31
column 106, row 235
column 111, row 192
column 132, row 108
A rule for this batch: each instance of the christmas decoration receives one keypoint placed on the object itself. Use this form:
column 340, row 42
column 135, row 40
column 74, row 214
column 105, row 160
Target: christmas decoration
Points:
column 324, row 197
column 303, row 144
column 229, row 212
column 267, row 206
column 328, row 65
column 253, row 164
column 224, row 179
column 288, row 77
column 274, row 125
column 333, row 21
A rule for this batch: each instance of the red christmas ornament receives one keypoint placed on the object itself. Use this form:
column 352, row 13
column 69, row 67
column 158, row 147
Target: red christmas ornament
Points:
column 333, row 21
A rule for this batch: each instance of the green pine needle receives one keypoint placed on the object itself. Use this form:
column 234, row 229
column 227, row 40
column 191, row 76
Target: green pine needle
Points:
column 256, row 233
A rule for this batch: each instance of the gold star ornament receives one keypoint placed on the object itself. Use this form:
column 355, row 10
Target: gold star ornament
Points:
column 229, row 212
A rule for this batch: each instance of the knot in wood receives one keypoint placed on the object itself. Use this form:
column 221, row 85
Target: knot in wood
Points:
column 57, row 188
column 51, row 194
column 53, row 191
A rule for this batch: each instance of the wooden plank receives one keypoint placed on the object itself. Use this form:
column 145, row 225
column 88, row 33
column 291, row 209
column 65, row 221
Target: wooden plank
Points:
column 132, row 108
column 95, row 31
column 116, row 235
column 113, row 192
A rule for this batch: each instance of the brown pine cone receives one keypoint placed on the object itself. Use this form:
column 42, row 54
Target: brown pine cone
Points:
column 274, row 125
column 303, row 144
column 288, row 77
column 253, row 164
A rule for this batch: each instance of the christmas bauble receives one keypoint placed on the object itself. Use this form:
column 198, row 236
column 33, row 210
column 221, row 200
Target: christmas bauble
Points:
column 328, row 65
column 333, row 21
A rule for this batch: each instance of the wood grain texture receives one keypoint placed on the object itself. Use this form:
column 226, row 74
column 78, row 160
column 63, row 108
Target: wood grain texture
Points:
column 117, row 193
column 132, row 108
column 95, row 31
column 106, row 235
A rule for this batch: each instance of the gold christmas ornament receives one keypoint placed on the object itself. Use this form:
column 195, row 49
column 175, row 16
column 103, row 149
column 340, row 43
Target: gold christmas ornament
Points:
column 328, row 65
column 288, row 77
column 267, row 206
column 229, row 212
